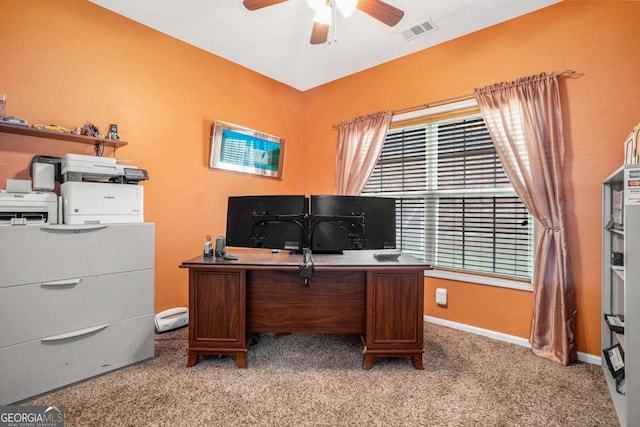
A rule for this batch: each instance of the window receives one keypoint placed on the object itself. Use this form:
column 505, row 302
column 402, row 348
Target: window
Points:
column 455, row 207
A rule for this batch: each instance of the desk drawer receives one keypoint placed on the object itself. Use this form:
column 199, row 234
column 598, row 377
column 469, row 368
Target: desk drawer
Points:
column 38, row 310
column 333, row 303
column 40, row 366
column 33, row 254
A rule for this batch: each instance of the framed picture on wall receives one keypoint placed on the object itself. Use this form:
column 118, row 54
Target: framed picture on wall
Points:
column 240, row 149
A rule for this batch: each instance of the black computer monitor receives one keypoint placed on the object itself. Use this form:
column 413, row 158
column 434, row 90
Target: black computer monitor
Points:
column 274, row 222
column 352, row 222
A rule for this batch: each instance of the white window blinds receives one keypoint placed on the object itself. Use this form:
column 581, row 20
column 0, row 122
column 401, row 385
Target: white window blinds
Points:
column 455, row 207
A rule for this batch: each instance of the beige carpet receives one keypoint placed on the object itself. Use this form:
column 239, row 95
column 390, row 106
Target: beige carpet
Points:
column 317, row 380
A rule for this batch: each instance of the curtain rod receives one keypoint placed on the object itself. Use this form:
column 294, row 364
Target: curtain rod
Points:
column 434, row 103
column 565, row 73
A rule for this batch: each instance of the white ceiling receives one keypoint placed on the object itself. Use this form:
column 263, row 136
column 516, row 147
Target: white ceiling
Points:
column 274, row 41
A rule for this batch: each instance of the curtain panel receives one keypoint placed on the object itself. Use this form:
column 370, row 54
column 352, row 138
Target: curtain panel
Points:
column 524, row 119
column 360, row 142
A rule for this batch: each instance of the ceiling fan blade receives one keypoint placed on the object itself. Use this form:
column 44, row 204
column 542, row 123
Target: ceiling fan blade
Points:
column 319, row 33
column 259, row 4
column 382, row 11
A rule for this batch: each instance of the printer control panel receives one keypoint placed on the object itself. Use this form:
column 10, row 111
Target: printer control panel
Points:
column 135, row 175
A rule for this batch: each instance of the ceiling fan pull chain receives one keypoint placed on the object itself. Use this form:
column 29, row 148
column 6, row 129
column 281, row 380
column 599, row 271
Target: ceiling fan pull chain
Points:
column 335, row 23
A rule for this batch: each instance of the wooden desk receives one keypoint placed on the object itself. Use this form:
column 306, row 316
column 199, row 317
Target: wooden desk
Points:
column 261, row 292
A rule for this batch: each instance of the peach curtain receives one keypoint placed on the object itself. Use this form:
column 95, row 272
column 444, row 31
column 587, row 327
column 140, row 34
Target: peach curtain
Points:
column 359, row 145
column 524, row 119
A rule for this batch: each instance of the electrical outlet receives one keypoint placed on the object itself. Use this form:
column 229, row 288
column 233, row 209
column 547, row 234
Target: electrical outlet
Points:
column 441, row 296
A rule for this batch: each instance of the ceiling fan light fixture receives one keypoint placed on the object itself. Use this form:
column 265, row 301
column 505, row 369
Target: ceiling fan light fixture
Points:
column 323, row 15
column 347, row 7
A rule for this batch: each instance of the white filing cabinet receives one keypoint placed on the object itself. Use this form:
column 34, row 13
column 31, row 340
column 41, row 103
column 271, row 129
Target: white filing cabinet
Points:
column 75, row 301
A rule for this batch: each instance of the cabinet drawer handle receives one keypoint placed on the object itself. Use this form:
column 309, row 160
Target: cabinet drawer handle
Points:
column 75, row 334
column 67, row 282
column 68, row 228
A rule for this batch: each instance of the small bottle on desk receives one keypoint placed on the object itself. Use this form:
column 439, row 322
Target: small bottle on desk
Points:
column 208, row 248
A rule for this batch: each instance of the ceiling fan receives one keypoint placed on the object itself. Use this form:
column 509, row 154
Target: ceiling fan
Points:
column 377, row 9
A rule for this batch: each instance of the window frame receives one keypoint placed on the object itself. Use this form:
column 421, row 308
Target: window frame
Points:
column 426, row 117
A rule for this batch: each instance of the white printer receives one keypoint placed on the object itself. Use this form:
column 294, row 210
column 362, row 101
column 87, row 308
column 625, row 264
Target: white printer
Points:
column 35, row 207
column 98, row 190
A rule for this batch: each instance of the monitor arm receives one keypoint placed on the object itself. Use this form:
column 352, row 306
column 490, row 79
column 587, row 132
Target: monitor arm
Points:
column 305, row 269
column 354, row 218
column 262, row 218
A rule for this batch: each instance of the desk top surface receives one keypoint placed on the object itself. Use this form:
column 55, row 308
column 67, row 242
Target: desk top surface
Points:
column 265, row 258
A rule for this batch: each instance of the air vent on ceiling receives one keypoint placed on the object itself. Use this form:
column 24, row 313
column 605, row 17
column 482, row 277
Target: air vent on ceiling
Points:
column 419, row 30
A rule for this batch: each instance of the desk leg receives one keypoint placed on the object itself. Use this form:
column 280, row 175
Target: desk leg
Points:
column 240, row 356
column 367, row 361
column 192, row 359
column 241, row 360
column 417, row 361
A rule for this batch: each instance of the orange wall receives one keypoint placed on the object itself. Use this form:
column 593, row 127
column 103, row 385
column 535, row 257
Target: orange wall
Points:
column 68, row 61
column 601, row 41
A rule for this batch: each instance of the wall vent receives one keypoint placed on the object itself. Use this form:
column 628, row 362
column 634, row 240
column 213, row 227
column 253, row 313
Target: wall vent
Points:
column 419, row 30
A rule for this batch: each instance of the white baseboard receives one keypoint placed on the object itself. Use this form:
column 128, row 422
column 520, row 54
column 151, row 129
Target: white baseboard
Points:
column 523, row 342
